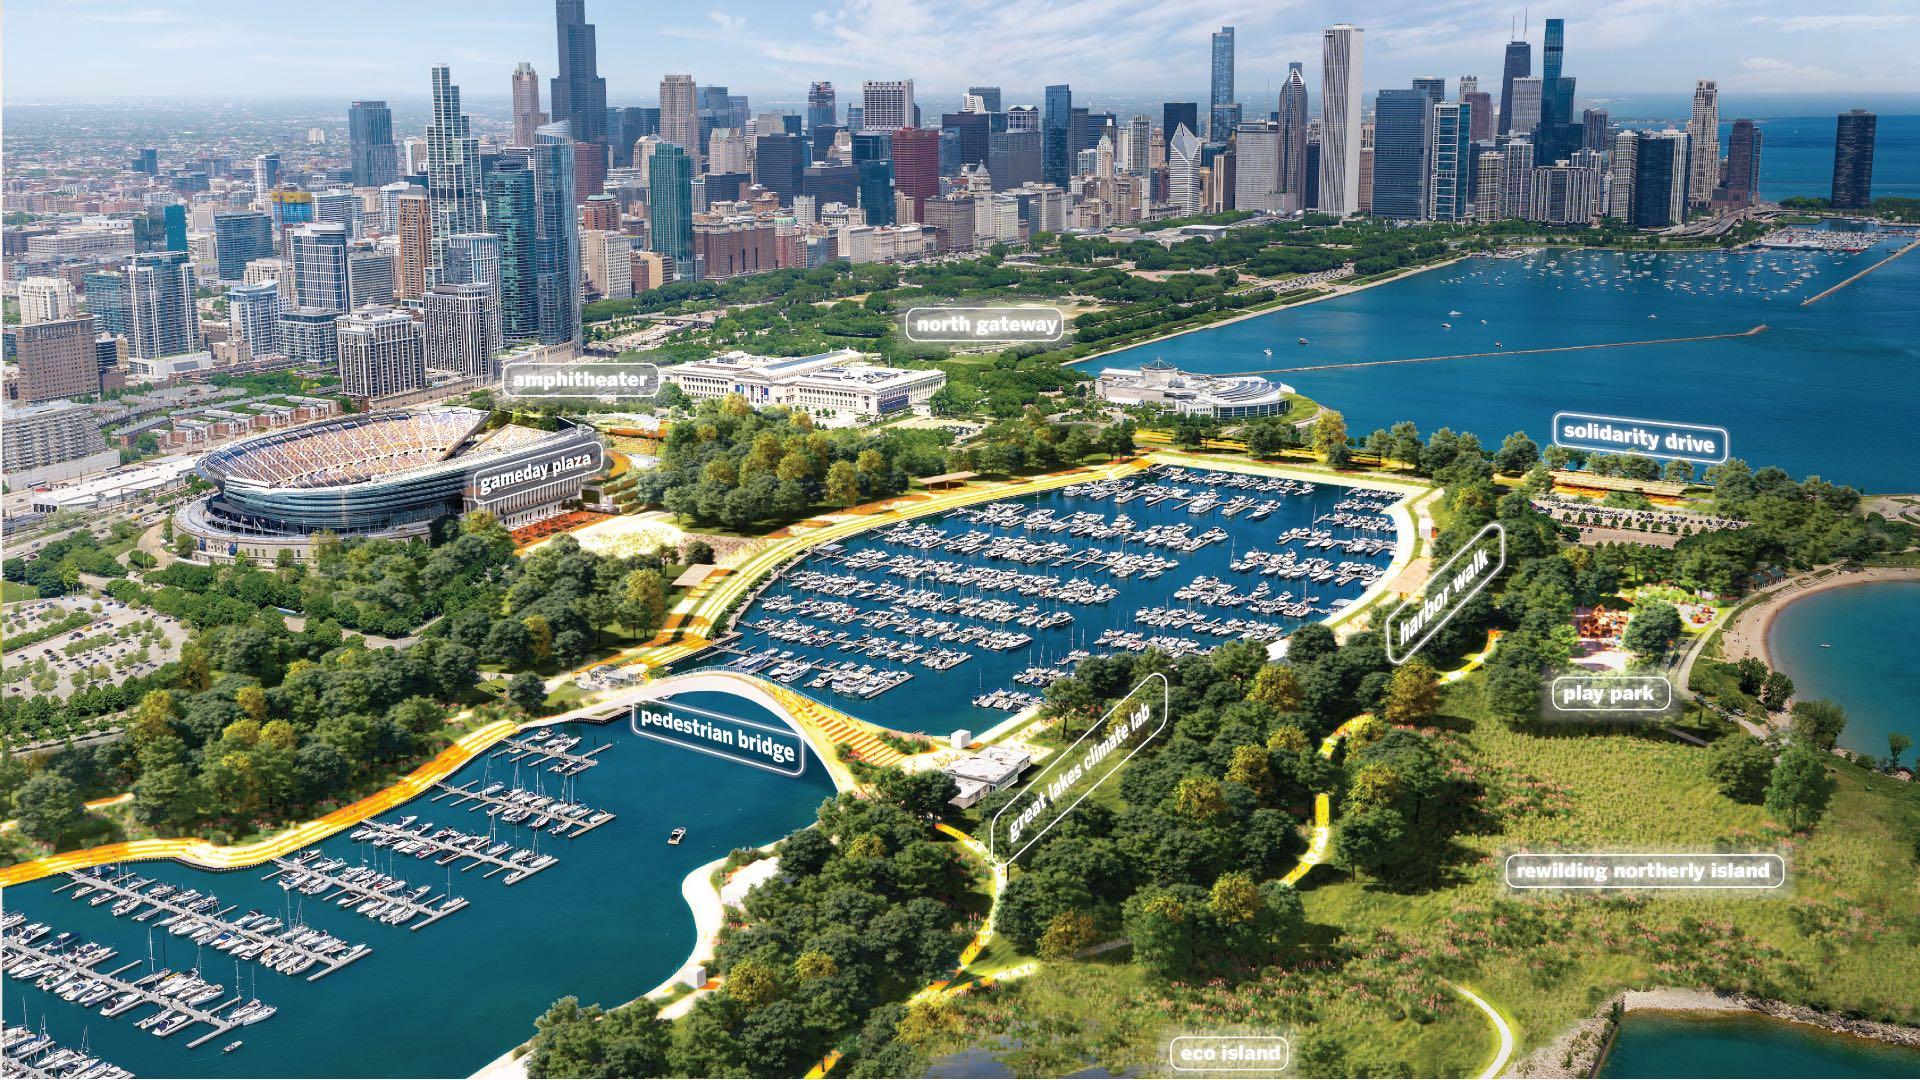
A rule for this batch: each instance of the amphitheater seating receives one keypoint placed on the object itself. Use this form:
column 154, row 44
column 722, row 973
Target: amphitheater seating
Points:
column 349, row 450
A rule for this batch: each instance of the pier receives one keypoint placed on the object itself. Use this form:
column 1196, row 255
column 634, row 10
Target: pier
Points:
column 55, row 967
column 1817, row 297
column 380, row 897
column 545, row 811
column 251, row 939
column 549, row 746
column 452, row 846
column 25, row 1052
column 1762, row 328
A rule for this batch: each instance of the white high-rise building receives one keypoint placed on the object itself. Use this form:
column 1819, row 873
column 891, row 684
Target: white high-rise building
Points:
column 1183, row 170
column 253, row 312
column 606, row 263
column 886, row 105
column 45, row 299
column 382, row 352
column 1489, row 203
column 1624, row 159
column 1340, row 107
column 1516, row 180
column 318, row 254
column 680, row 116
column 462, row 329
column 1526, row 105
column 1703, row 137
column 1256, row 167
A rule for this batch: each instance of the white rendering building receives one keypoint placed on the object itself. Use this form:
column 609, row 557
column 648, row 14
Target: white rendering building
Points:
column 1228, row 397
column 1340, row 108
column 832, row 382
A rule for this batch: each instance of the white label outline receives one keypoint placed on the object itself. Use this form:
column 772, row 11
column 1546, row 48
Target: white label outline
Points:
column 1726, row 438
column 906, row 324
column 1386, row 624
column 633, row 721
column 1173, row 1058
column 1553, row 695
column 1166, row 714
column 1506, row 871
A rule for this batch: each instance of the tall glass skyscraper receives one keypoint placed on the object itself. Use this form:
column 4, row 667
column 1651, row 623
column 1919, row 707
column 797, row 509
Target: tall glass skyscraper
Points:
column 1340, row 106
column 239, row 237
column 873, row 166
column 1293, row 140
column 370, row 130
column 670, row 197
column 1056, row 133
column 1853, row 160
column 453, row 172
column 173, row 219
column 1220, row 119
column 164, row 321
column 578, row 96
column 1449, row 183
column 318, row 253
column 822, row 108
column 1519, row 65
column 1400, row 134
column 557, row 235
column 510, row 216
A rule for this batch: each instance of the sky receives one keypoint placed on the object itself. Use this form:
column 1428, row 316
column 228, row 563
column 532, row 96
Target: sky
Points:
column 127, row 50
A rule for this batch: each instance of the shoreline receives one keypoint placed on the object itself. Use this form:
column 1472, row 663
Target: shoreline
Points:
column 1752, row 632
column 1337, row 292
column 1582, row 1049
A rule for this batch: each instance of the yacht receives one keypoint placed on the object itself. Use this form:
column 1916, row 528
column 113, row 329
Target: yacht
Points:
column 677, row 835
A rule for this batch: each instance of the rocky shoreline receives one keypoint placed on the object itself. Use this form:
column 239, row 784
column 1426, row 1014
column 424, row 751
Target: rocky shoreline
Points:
column 1580, row 1050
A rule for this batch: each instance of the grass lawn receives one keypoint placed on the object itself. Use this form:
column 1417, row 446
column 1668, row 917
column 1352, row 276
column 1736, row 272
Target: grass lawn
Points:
column 12, row 591
column 1369, row 1000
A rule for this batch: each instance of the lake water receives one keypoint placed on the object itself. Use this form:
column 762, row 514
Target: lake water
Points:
column 1867, row 664
column 939, row 701
column 1827, row 389
column 606, row 923
column 1728, row 1045
column 1796, row 156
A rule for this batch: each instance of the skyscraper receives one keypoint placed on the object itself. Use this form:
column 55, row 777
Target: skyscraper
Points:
column 1660, row 179
column 369, row 276
column 1176, row 114
column 1293, row 140
column 381, row 352
column 1480, row 105
column 1703, row 140
column 557, row 236
column 527, row 117
column 416, row 238
column 164, row 320
column 1256, row 167
column 1743, row 162
column 1401, row 120
column 375, row 159
column 1553, row 50
column 1183, row 170
column 670, row 180
column 1526, row 106
column 1853, row 160
column 916, row 166
column 1519, row 65
column 822, row 108
column 253, row 313
column 56, row 359
column 239, row 237
column 680, row 116
column 173, row 219
column 453, row 171
column 106, row 292
column 1596, row 130
column 971, row 130
column 510, row 216
column 579, row 94
column 318, row 254
column 1340, row 107
column 1219, row 113
column 462, row 329
column 266, row 174
column 886, row 104
column 873, row 165
column 989, row 97
column 1448, row 178
column 1056, row 152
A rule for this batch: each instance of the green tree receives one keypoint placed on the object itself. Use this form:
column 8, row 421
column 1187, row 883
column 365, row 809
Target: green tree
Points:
column 529, row 692
column 1330, row 436
column 1801, row 788
column 843, row 484
column 48, row 806
column 1819, row 722
column 1413, row 693
column 1741, row 765
column 1897, row 744
column 1653, row 627
column 1775, row 689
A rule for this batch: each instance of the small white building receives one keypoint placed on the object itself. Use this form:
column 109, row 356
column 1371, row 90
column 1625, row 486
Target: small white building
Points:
column 994, row 768
column 1224, row 397
column 832, row 382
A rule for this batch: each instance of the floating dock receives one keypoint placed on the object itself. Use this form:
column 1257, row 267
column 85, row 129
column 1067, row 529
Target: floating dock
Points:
column 380, row 897
column 537, row 749
column 15, row 952
column 547, row 812
column 452, row 846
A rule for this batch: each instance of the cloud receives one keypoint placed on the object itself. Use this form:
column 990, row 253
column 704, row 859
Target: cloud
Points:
column 732, row 24
column 1802, row 23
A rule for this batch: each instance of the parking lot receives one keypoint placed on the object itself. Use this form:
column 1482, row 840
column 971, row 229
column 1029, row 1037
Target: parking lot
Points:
column 116, row 643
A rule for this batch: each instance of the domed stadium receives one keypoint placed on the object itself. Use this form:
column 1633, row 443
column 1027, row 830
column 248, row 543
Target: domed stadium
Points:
column 386, row 474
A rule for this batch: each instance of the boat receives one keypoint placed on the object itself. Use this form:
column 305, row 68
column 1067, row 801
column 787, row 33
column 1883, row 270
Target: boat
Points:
column 677, row 835
column 231, row 1047
column 1303, row 341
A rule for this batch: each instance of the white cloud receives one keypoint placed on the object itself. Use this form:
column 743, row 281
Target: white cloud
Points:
column 1799, row 23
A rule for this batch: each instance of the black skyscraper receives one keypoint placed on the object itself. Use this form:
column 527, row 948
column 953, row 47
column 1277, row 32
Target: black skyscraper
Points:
column 370, row 131
column 1175, row 113
column 1853, row 160
column 579, row 94
column 1519, row 65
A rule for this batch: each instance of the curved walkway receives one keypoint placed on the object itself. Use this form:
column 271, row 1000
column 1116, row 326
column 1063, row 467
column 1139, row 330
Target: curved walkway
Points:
column 1503, row 1052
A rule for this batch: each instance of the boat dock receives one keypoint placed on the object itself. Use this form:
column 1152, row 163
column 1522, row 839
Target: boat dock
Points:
column 380, row 897
column 26, row 1052
column 549, row 746
column 251, row 938
column 452, row 846
column 514, row 805
column 56, row 967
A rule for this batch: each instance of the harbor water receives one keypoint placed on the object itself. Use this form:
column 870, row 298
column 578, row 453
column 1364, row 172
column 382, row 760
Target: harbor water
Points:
column 1654, row 1044
column 606, row 923
column 1854, row 646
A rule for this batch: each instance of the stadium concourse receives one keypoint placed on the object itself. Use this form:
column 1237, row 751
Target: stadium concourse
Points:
column 386, row 474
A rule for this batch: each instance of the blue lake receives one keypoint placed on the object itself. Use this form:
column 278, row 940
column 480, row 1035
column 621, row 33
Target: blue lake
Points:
column 1855, row 646
column 1717, row 1045
column 1829, row 389
column 606, row 923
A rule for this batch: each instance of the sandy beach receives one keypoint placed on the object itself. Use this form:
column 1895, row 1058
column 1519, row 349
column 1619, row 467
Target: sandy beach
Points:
column 1747, row 635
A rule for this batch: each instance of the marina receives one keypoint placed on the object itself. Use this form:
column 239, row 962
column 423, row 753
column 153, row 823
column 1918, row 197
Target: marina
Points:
column 364, row 890
column 978, row 609
column 69, row 969
column 550, row 747
column 450, row 847
column 516, row 804
column 31, row 1053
